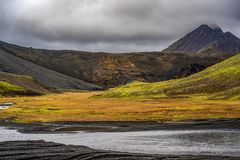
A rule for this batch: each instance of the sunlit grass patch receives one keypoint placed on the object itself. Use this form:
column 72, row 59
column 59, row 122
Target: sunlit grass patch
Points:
column 81, row 107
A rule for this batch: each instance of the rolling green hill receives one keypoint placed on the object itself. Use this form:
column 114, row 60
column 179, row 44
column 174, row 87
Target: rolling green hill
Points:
column 221, row 81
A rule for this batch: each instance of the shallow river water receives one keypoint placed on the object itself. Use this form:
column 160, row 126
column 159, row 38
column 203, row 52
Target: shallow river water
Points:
column 182, row 142
column 5, row 105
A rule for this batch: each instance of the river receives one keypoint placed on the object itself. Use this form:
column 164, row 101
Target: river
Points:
column 181, row 142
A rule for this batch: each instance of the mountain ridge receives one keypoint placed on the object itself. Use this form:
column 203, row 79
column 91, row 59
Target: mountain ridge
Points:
column 109, row 70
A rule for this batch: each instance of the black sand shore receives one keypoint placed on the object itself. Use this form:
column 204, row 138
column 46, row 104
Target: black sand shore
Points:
column 40, row 150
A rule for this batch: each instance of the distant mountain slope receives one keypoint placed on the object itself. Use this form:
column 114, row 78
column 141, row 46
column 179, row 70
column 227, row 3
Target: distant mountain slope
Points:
column 16, row 65
column 109, row 70
column 220, row 81
column 206, row 39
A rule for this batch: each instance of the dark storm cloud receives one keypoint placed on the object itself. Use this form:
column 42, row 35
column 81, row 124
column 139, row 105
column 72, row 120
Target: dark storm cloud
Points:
column 110, row 25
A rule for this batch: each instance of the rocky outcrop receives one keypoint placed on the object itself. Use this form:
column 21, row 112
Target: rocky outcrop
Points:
column 186, row 71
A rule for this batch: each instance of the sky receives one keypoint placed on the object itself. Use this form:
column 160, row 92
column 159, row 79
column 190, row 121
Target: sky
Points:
column 111, row 25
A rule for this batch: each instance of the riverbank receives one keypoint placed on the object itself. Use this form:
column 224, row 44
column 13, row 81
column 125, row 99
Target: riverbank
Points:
column 48, row 151
column 122, row 126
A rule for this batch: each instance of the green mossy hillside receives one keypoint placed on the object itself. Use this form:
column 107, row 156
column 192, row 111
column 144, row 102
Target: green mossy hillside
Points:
column 7, row 89
column 221, row 81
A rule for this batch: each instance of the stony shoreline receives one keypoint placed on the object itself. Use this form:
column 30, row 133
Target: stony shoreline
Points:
column 16, row 150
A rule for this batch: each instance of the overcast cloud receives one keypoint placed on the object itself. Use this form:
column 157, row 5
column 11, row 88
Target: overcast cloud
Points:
column 111, row 25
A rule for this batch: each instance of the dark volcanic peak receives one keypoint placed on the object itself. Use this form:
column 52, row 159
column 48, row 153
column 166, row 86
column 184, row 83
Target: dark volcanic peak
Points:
column 206, row 38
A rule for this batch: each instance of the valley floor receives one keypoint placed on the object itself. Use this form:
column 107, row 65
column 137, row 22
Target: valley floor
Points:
column 80, row 106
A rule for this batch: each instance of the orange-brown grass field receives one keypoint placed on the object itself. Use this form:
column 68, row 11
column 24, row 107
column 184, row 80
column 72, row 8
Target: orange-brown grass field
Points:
column 76, row 106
